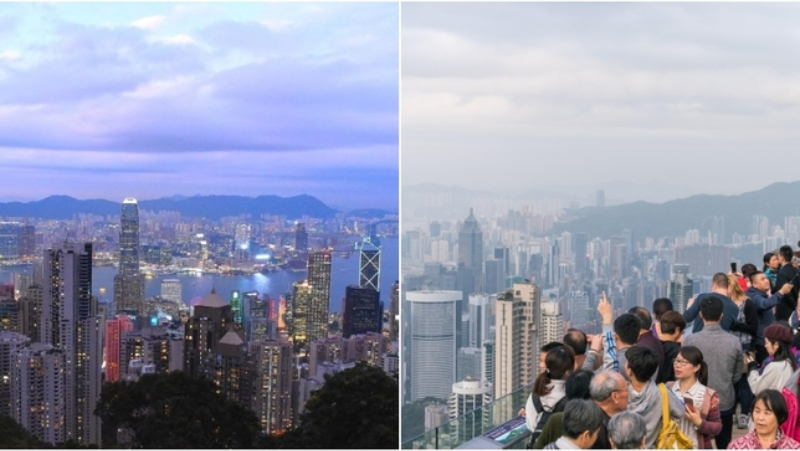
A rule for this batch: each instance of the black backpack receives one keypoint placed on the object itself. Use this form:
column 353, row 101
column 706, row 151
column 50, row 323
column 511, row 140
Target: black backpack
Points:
column 537, row 403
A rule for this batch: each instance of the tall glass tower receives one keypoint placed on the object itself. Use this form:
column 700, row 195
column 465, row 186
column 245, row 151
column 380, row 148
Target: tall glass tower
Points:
column 319, row 277
column 129, row 283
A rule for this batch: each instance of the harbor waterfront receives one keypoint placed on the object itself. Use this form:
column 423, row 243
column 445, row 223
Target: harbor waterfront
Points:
column 275, row 284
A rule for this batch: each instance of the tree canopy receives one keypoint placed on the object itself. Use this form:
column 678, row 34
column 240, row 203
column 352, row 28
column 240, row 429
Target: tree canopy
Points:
column 173, row 411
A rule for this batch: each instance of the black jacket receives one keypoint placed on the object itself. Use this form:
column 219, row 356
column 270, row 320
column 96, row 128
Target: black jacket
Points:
column 788, row 303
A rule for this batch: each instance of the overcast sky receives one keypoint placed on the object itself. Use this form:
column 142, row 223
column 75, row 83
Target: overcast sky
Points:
column 158, row 99
column 508, row 97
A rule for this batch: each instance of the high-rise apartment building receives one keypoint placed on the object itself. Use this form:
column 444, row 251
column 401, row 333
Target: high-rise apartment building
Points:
column 72, row 326
column 319, row 278
column 129, row 282
column 431, row 355
column 517, row 316
column 272, row 384
column 552, row 324
column 39, row 392
column 10, row 344
column 467, row 396
column 113, row 340
column 680, row 287
column 362, row 311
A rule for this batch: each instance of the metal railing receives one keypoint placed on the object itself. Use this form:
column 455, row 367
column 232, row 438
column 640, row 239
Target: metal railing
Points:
column 461, row 430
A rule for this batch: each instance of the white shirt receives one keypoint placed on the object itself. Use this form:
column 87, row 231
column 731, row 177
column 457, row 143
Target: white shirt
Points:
column 697, row 392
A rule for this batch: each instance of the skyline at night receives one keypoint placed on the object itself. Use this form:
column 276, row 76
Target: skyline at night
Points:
column 157, row 100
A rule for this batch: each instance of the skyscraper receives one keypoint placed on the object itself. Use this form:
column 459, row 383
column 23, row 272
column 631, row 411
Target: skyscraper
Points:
column 172, row 290
column 394, row 312
column 71, row 325
column 470, row 250
column 468, row 396
column 129, row 283
column 319, row 277
column 301, row 239
column 38, row 392
column 680, row 287
column 10, row 344
column 431, row 356
column 113, row 340
column 369, row 274
column 272, row 387
column 362, row 311
column 202, row 333
column 301, row 304
column 552, row 325
column 517, row 316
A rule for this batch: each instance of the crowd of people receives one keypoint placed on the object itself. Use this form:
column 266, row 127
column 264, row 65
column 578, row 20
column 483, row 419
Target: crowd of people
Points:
column 646, row 382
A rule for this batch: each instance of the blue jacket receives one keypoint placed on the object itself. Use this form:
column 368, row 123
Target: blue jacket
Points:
column 764, row 307
column 729, row 312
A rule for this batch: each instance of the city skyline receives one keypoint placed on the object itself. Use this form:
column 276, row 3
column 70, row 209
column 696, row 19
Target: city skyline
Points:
column 549, row 95
column 157, row 100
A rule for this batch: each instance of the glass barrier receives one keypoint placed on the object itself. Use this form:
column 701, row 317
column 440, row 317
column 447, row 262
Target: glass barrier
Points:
column 460, row 430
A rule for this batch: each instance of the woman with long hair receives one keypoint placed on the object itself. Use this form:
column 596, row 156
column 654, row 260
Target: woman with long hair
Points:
column 548, row 390
column 702, row 420
column 745, row 328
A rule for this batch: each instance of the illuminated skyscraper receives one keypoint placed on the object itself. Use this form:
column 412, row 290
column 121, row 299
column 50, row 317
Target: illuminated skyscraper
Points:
column 38, row 392
column 10, row 344
column 242, row 241
column 113, row 339
column 319, row 277
column 394, row 312
column 210, row 322
column 272, row 384
column 129, row 283
column 172, row 290
column 369, row 274
column 301, row 304
column 72, row 325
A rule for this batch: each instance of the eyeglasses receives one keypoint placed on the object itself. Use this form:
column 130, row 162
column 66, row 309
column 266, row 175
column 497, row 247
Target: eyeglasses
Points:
column 681, row 362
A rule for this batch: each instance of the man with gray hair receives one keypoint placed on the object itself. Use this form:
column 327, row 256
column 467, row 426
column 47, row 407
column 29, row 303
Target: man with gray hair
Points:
column 627, row 430
column 582, row 422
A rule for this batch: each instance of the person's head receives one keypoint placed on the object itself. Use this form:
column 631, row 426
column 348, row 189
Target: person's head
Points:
column 645, row 320
column 627, row 430
column 582, row 421
column 543, row 353
column 785, row 254
column 661, row 306
column 642, row 363
column 771, row 261
column 769, row 411
column 748, row 269
column 735, row 291
column 760, row 281
column 689, row 364
column 577, row 384
column 711, row 309
column 576, row 340
column 627, row 328
column 559, row 362
column 610, row 391
column 672, row 326
column 719, row 282
column 778, row 341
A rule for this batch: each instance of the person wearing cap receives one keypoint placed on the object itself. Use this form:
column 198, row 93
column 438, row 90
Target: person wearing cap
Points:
column 778, row 341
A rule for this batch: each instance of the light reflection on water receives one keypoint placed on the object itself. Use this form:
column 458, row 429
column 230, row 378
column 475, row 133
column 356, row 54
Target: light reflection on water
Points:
column 344, row 272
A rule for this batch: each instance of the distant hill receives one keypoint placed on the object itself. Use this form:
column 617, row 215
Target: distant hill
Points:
column 370, row 213
column 212, row 207
column 675, row 217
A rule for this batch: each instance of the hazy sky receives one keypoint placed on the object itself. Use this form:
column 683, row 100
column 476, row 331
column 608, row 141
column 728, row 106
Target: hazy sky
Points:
column 157, row 99
column 513, row 96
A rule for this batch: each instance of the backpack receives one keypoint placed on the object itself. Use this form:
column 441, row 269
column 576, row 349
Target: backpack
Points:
column 670, row 436
column 790, row 426
column 543, row 416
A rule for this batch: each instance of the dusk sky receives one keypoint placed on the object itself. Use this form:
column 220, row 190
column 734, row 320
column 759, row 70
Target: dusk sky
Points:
column 157, row 99
column 693, row 97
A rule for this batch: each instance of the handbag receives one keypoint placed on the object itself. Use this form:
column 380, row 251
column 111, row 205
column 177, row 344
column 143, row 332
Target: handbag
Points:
column 670, row 436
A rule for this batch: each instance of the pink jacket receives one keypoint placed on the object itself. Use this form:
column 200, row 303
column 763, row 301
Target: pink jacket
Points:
column 750, row 441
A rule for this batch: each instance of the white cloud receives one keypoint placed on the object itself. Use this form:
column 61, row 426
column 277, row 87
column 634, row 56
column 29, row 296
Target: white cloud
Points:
column 278, row 25
column 10, row 55
column 149, row 22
